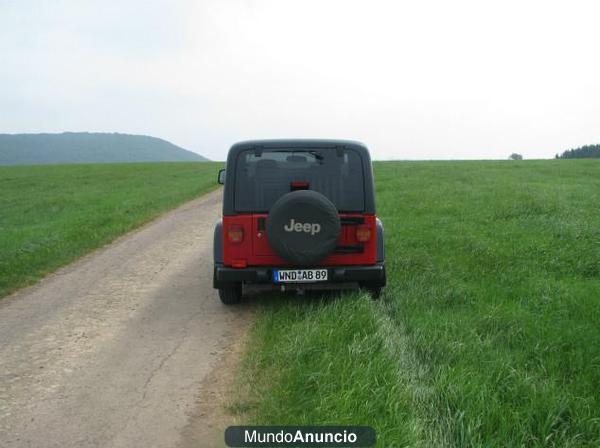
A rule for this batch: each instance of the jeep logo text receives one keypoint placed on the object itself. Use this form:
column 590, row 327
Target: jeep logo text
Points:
column 307, row 227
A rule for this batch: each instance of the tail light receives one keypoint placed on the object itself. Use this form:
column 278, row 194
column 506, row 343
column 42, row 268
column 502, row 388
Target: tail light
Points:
column 235, row 233
column 363, row 233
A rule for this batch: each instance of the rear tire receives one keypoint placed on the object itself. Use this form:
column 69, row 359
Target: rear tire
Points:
column 374, row 290
column 230, row 295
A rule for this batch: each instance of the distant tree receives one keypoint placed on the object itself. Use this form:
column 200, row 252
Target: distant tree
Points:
column 585, row 152
column 515, row 156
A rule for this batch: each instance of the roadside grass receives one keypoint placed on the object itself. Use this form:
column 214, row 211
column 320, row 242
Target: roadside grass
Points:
column 53, row 214
column 325, row 361
column 487, row 335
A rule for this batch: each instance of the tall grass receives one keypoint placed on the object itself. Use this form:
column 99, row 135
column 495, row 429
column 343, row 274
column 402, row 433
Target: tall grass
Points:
column 488, row 333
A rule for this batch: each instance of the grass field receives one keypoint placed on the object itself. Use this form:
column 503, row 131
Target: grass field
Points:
column 52, row 214
column 488, row 334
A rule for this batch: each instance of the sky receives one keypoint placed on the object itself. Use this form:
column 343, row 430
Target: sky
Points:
column 411, row 79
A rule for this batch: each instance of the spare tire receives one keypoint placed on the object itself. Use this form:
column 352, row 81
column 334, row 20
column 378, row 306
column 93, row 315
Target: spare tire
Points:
column 303, row 227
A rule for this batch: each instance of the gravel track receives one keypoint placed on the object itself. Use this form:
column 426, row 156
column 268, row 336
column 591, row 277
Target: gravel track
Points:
column 118, row 349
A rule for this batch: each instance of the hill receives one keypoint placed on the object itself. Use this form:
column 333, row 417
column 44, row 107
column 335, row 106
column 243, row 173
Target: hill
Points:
column 84, row 147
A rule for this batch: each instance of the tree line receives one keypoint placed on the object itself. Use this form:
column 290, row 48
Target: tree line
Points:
column 585, row 152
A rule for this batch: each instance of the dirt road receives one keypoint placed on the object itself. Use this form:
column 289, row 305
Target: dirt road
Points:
column 119, row 348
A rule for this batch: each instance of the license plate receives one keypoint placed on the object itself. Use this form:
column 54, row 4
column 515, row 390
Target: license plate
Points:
column 300, row 275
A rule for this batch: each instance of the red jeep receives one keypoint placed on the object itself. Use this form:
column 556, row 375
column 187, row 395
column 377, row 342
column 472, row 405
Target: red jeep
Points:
column 298, row 214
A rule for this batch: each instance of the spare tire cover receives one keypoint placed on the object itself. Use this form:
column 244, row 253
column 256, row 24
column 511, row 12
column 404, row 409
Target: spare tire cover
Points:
column 303, row 227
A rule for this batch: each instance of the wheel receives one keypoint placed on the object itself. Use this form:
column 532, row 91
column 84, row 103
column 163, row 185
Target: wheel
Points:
column 230, row 295
column 374, row 290
column 303, row 227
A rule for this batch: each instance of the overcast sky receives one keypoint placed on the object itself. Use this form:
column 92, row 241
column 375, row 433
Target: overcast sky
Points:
column 413, row 80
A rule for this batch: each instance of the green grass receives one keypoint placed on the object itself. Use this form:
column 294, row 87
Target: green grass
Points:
column 488, row 334
column 50, row 215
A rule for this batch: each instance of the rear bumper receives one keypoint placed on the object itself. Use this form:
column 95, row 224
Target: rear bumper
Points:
column 373, row 275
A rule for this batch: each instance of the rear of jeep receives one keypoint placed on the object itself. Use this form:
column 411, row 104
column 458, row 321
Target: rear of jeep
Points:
column 298, row 214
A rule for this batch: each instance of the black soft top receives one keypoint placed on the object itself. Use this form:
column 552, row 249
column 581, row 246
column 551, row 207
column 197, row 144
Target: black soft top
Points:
column 236, row 149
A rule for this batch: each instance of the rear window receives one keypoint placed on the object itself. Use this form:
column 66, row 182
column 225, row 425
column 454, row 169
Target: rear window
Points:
column 264, row 176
